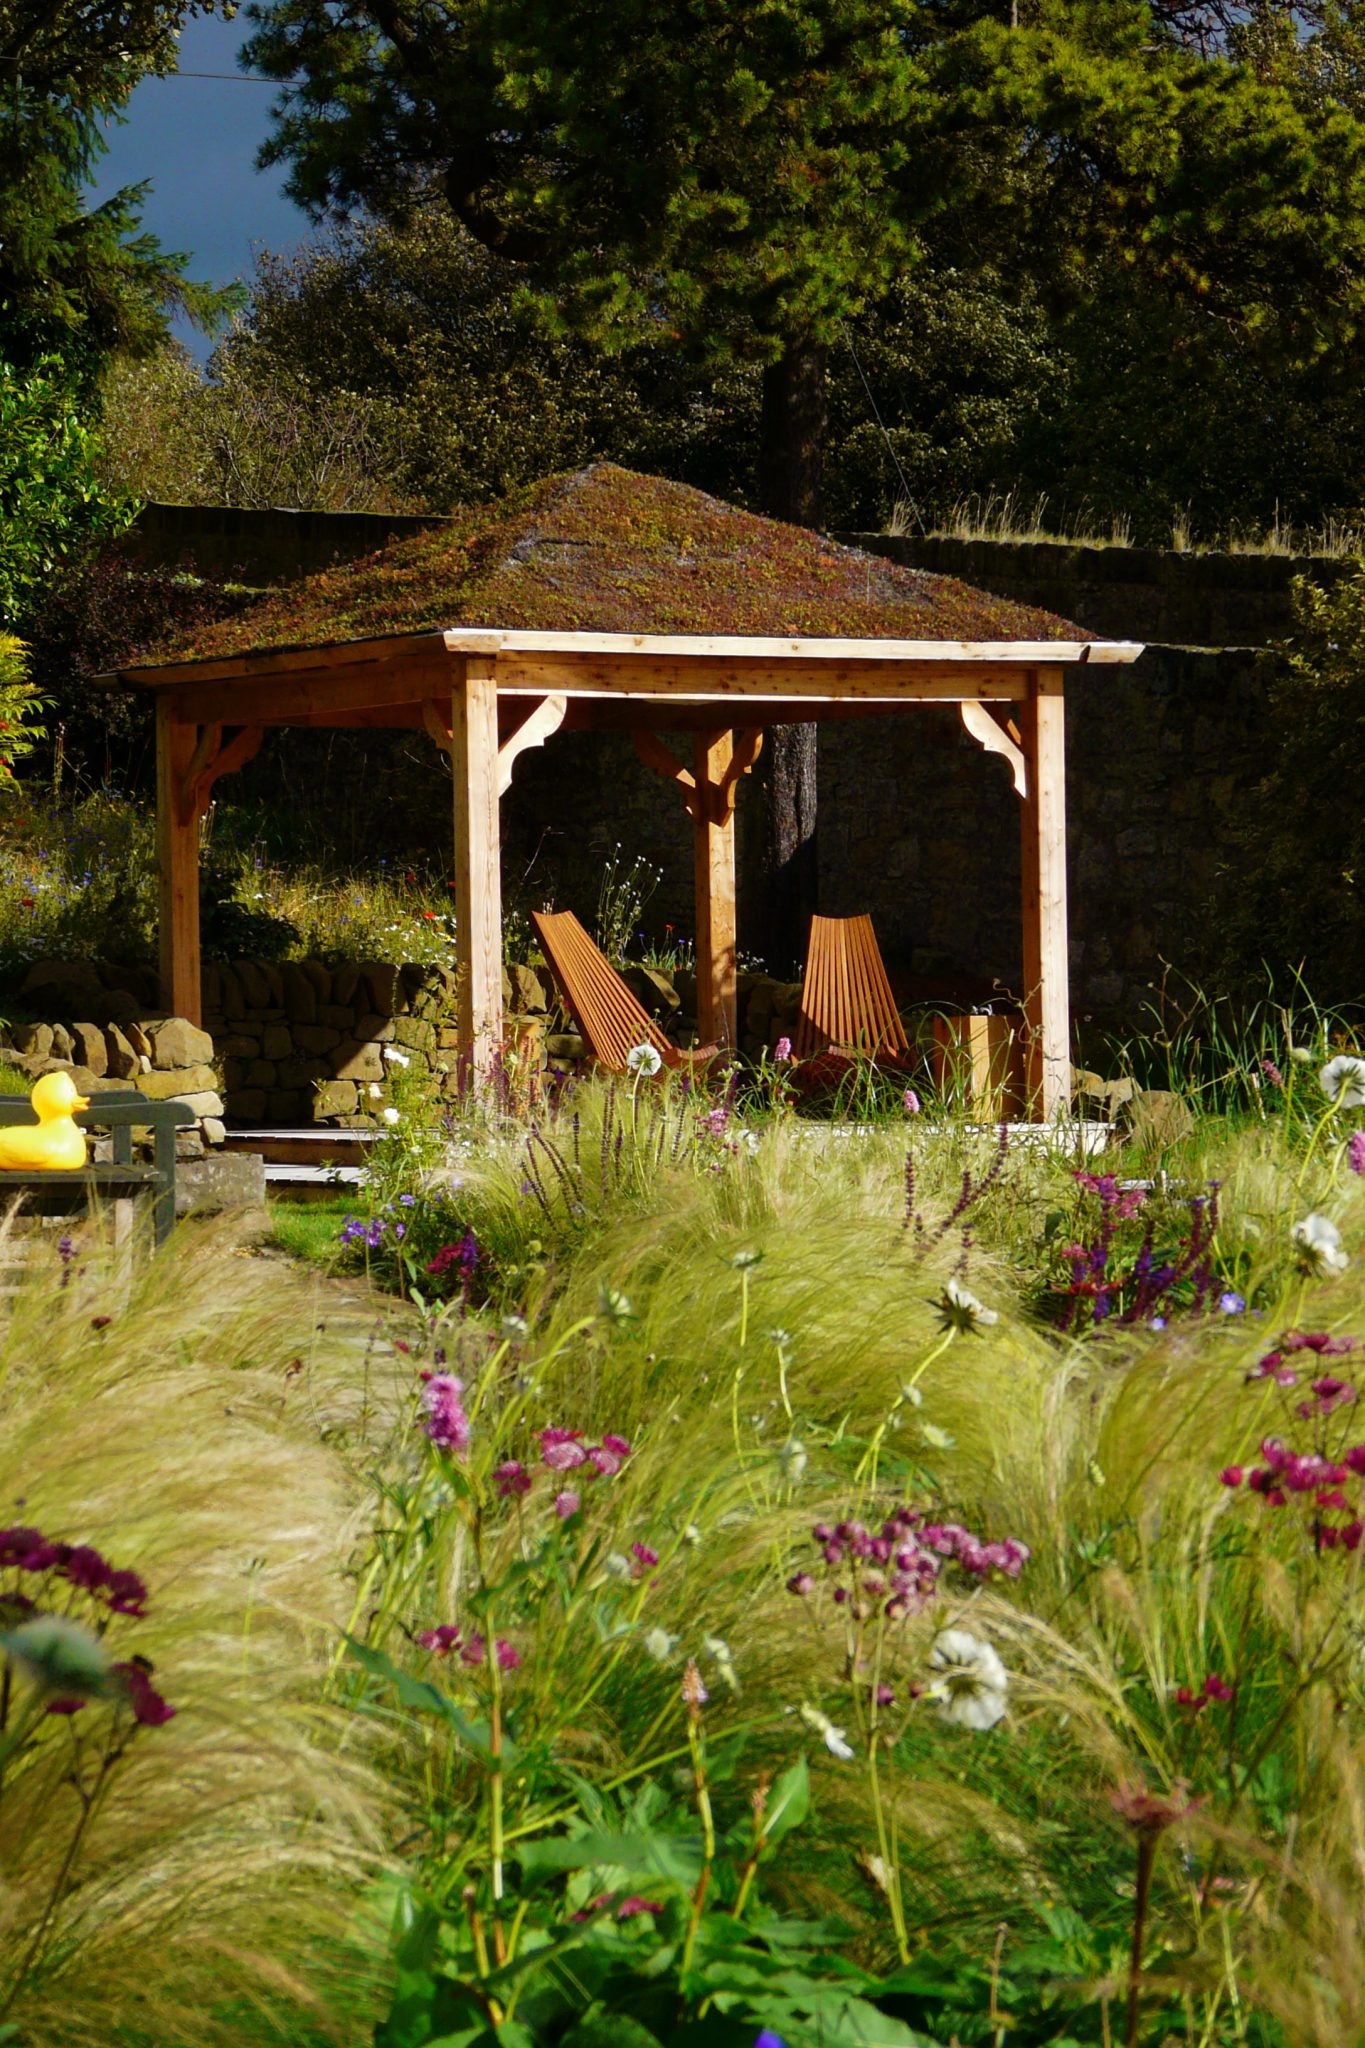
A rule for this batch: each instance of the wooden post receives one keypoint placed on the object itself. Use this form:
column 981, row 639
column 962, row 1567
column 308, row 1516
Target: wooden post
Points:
column 1047, row 1005
column 177, row 833
column 713, row 869
column 478, row 853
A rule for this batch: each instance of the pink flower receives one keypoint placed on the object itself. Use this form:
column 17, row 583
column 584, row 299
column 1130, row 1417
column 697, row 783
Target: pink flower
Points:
column 447, row 1423
column 1216, row 1688
column 645, row 1559
column 609, row 1456
column 512, row 1479
column 801, row 1584
column 911, row 1102
column 561, row 1449
column 567, row 1504
column 1231, row 1475
column 475, row 1651
column 1355, row 1152
column 631, row 1907
column 1272, row 1073
column 782, row 1050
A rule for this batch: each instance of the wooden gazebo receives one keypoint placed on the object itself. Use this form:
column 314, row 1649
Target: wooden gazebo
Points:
column 477, row 670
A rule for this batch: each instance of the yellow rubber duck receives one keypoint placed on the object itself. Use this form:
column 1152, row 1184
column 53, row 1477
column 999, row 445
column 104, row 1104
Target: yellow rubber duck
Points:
column 56, row 1142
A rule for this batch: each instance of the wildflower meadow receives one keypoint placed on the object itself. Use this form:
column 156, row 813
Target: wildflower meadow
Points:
column 664, row 1569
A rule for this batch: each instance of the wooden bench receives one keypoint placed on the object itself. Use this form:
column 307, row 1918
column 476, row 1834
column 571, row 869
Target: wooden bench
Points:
column 119, row 1111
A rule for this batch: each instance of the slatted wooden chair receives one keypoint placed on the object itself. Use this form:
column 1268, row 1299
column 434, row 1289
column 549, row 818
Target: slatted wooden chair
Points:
column 846, row 1001
column 608, row 1017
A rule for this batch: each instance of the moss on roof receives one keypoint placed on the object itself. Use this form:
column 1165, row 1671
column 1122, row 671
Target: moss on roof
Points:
column 605, row 550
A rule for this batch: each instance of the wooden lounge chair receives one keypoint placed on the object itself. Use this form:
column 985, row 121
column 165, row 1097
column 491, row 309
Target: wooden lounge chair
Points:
column 609, row 1018
column 846, row 1002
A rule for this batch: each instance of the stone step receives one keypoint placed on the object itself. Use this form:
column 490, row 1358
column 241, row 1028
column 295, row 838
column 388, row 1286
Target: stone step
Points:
column 304, row 1145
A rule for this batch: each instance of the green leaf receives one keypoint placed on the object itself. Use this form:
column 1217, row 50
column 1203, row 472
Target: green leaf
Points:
column 788, row 1803
column 602, row 2028
column 674, row 1858
column 425, row 1698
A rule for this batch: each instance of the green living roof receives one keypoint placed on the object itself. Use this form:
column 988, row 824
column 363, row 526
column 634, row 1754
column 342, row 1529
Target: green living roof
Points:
column 605, row 550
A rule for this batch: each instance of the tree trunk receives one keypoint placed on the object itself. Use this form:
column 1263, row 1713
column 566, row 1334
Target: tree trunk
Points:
column 791, row 457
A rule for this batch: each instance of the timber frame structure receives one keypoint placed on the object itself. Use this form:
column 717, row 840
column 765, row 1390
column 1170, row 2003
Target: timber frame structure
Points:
column 486, row 695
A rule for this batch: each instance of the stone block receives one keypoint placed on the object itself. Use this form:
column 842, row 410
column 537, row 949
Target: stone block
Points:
column 231, row 1180
column 300, row 996
column 382, row 979
column 63, row 1045
column 122, row 1007
column 303, row 1071
column 138, row 1039
column 277, row 1042
column 356, row 1062
column 257, row 993
column 288, row 1106
column 121, row 1062
column 334, row 1098
column 91, row 1050
column 189, row 1144
column 368, row 1025
column 214, row 1130
column 261, row 1074
column 207, row 1103
column 32, row 1038
column 414, row 1032
column 448, row 1038
column 247, row 1105
column 164, row 1083
column 210, row 986
column 178, row 1043
column 239, row 1045
column 340, row 1016
column 345, row 982
column 652, row 989
column 233, row 997
column 320, row 974
column 528, row 993
column 316, row 1037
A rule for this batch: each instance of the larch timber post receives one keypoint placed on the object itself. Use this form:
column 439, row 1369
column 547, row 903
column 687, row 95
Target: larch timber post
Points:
column 713, row 869
column 177, row 828
column 478, row 857
column 1047, row 1005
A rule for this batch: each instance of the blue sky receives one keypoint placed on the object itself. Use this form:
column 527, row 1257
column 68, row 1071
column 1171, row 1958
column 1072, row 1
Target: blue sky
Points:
column 196, row 139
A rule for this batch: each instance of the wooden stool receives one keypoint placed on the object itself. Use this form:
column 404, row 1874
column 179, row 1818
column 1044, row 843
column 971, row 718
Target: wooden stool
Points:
column 980, row 1060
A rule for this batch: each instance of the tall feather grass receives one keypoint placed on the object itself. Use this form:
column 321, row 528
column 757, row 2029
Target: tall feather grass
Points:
column 163, row 1413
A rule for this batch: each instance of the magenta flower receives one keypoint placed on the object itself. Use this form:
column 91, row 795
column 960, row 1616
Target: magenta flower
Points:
column 562, row 1450
column 149, row 1709
column 1231, row 1475
column 1355, row 1152
column 645, row 1559
column 911, row 1102
column 475, row 1651
column 511, row 1479
column 447, row 1423
column 1272, row 1073
column 441, row 1640
column 567, row 1504
column 782, row 1051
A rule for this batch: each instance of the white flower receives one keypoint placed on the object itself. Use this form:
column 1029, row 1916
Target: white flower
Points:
column 959, row 1309
column 660, row 1645
column 691, row 1535
column 793, row 1460
column 396, row 1058
column 718, row 1650
column 616, row 1566
column 1342, row 1081
column 749, row 1142
column 514, row 1328
column 644, row 1059
column 1319, row 1245
column 375, row 1091
column 834, row 1739
column 1301, row 1056
column 389, row 1114
column 973, row 1682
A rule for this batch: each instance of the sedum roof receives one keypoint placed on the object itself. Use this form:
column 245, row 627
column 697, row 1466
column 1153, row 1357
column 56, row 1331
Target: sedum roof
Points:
column 606, row 550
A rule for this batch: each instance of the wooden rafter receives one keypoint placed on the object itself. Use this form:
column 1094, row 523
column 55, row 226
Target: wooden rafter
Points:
column 716, row 802
column 537, row 724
